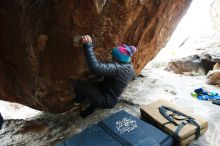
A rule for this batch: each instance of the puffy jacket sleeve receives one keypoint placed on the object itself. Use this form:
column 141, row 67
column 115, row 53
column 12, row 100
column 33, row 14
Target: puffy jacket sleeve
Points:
column 97, row 67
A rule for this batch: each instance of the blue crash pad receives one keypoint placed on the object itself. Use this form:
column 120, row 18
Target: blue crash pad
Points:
column 120, row 129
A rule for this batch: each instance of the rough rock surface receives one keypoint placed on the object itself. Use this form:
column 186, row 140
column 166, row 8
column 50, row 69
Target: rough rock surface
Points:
column 192, row 65
column 39, row 52
column 212, row 54
column 188, row 65
column 207, row 54
column 214, row 77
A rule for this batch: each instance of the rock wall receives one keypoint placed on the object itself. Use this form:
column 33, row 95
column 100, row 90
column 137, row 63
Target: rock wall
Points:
column 205, row 54
column 39, row 52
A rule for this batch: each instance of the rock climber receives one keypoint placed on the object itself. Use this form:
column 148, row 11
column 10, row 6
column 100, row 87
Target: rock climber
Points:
column 116, row 76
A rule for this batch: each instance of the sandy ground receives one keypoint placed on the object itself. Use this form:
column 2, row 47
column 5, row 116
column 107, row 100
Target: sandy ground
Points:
column 16, row 111
column 153, row 85
column 158, row 83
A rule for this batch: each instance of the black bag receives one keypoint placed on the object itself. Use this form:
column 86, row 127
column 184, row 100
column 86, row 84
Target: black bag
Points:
column 120, row 129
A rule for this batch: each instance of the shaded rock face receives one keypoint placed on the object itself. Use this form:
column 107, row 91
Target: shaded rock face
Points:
column 214, row 77
column 207, row 55
column 39, row 52
column 192, row 65
column 205, row 62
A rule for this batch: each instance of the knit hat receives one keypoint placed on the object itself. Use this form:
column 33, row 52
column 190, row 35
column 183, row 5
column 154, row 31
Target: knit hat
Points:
column 123, row 53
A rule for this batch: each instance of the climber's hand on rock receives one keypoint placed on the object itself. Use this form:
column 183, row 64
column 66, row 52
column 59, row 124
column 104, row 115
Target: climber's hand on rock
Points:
column 86, row 39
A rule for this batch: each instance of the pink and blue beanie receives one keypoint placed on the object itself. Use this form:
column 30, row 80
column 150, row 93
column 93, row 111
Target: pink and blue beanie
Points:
column 123, row 53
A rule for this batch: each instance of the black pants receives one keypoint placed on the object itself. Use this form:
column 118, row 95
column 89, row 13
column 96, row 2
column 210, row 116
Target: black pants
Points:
column 86, row 89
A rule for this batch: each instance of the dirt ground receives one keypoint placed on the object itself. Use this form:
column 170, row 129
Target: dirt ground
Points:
column 158, row 83
column 154, row 84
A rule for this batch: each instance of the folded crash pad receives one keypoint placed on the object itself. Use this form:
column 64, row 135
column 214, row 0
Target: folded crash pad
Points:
column 183, row 129
column 120, row 129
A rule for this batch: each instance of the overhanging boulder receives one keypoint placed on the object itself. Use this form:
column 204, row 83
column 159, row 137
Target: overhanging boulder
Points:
column 38, row 55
